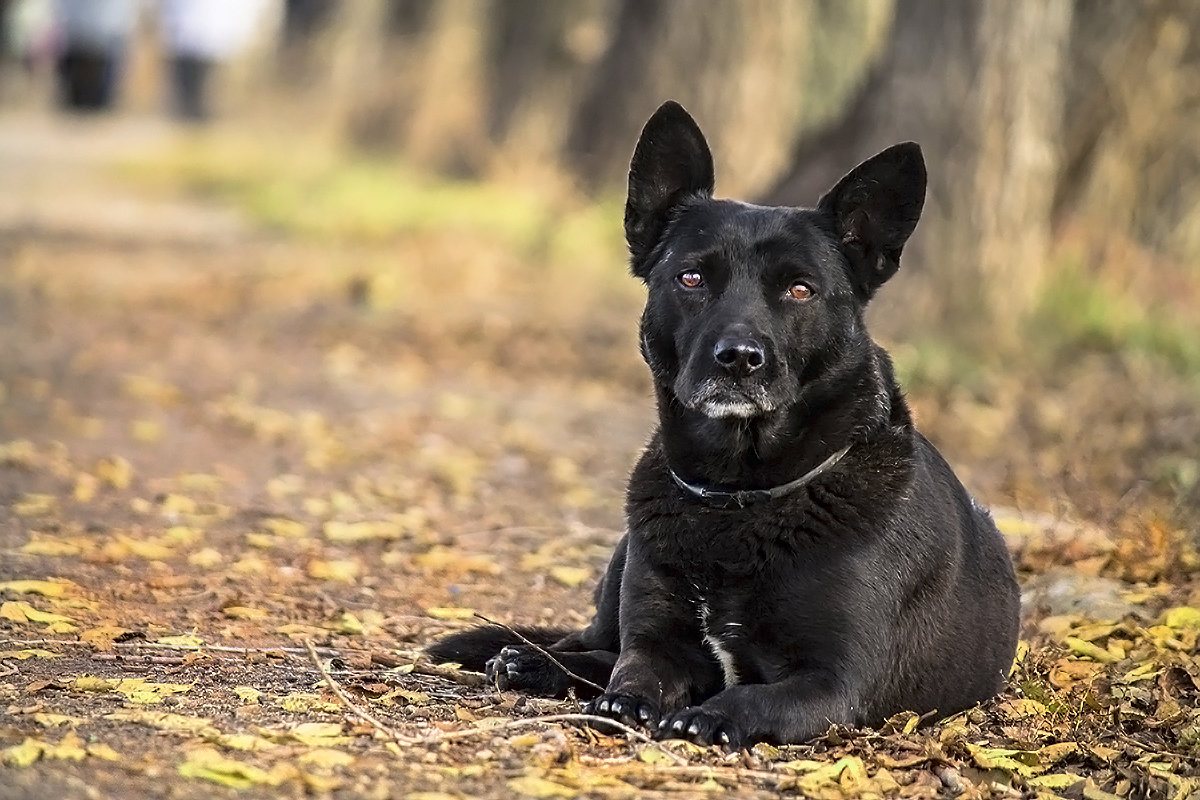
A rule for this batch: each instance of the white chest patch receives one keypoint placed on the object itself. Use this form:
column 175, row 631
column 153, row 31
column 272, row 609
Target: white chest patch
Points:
column 718, row 648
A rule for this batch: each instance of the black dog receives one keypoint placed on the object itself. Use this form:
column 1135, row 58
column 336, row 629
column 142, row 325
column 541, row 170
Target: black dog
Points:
column 798, row 554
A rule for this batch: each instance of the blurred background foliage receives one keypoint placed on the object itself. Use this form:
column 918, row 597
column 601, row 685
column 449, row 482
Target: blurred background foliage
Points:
column 1054, row 278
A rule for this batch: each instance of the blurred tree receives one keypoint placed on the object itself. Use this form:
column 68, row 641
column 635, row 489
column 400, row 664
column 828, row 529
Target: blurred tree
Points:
column 979, row 85
column 1132, row 133
column 1031, row 112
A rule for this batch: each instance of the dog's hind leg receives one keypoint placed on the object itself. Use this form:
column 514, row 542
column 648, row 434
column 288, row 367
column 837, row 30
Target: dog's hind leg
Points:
column 530, row 670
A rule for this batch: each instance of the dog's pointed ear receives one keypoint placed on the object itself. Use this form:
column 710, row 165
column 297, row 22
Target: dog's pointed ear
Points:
column 874, row 209
column 670, row 163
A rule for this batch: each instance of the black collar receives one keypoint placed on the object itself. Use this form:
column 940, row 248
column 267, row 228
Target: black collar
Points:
column 745, row 497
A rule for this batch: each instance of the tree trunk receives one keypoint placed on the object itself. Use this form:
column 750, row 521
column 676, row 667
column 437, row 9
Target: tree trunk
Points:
column 976, row 85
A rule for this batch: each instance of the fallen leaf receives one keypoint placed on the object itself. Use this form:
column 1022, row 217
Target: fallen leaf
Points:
column 34, row 505
column 244, row 612
column 535, row 786
column 102, row 638
column 448, row 612
column 21, row 655
column 211, row 766
column 570, row 576
column 51, row 588
column 247, row 694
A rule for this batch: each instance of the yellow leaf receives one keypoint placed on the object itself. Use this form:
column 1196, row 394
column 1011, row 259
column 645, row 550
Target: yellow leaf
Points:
column 241, row 741
column 1055, row 780
column 327, row 758
column 163, row 721
column 206, row 558
column 151, row 390
column 534, row 786
column 1088, row 650
column 344, row 570
column 21, row 655
column 101, row 750
column 69, row 749
column 346, row 624
column 146, row 431
column 90, row 683
column 447, row 612
column 53, row 588
column 211, row 766
column 301, row 701
column 446, row 559
column 288, row 528
column 247, row 694
column 34, row 505
column 1181, row 617
column 47, row 720
column 20, row 611
column 102, row 638
column 41, row 545
column 998, row 758
column 317, row 729
column 85, row 487
column 181, row 640
column 570, row 576
column 114, row 471
column 244, row 612
column 23, row 754
column 336, row 531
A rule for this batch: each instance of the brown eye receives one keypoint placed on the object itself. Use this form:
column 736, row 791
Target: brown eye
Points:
column 800, row 291
column 691, row 279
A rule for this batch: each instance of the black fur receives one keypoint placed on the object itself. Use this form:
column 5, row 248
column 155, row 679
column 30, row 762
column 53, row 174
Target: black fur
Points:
column 876, row 587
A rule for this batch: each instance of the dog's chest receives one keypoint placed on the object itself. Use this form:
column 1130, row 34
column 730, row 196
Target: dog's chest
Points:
column 721, row 636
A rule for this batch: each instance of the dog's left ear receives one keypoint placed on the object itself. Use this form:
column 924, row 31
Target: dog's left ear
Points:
column 875, row 208
column 670, row 163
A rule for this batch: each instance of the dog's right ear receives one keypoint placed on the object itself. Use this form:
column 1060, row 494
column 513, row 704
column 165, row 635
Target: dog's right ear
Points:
column 670, row 163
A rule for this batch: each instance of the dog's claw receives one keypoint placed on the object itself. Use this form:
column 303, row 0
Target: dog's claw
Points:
column 626, row 709
column 700, row 726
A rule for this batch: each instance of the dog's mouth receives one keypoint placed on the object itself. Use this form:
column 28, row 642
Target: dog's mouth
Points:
column 719, row 401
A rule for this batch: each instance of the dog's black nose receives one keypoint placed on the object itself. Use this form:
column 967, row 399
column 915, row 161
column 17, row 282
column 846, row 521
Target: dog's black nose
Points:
column 739, row 354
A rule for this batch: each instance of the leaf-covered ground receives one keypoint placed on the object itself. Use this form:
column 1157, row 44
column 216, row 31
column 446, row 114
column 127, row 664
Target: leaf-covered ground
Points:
column 219, row 446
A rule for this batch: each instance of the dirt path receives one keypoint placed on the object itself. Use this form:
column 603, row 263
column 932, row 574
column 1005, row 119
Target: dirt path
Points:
column 213, row 450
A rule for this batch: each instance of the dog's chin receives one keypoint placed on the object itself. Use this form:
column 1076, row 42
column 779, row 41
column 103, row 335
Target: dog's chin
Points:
column 726, row 409
column 733, row 403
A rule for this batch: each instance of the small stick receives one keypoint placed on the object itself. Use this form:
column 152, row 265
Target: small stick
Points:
column 593, row 719
column 392, row 734
column 411, row 660
column 544, row 652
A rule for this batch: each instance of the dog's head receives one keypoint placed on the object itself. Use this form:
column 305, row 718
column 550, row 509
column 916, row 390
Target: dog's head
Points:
column 747, row 304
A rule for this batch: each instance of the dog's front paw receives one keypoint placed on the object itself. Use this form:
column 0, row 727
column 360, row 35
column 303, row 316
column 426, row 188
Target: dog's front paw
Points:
column 624, row 708
column 527, row 669
column 702, row 727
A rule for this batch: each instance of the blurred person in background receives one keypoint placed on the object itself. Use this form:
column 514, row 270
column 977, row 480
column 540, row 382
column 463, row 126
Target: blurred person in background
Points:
column 93, row 36
column 199, row 35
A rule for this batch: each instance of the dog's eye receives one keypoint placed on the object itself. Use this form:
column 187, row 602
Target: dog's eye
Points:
column 800, row 291
column 691, row 279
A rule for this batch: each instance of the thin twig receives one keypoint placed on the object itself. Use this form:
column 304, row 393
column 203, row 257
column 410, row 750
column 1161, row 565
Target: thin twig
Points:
column 392, row 734
column 592, row 719
column 413, row 663
column 543, row 651
column 731, row 774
